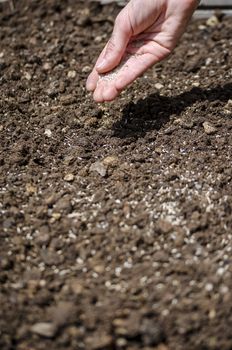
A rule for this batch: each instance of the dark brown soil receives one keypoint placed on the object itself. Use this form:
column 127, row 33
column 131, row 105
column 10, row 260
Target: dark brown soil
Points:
column 116, row 220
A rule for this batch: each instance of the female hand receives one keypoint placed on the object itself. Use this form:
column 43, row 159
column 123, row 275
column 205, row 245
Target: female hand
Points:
column 145, row 32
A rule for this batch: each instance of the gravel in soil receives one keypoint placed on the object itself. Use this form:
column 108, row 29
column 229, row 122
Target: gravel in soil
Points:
column 115, row 219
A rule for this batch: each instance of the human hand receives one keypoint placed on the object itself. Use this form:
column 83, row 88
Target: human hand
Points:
column 145, row 32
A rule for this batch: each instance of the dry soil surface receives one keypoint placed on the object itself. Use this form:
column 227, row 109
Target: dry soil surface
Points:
column 116, row 220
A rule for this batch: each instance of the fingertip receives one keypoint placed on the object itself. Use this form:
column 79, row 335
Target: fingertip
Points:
column 102, row 66
column 91, row 82
column 90, row 86
column 110, row 93
column 97, row 96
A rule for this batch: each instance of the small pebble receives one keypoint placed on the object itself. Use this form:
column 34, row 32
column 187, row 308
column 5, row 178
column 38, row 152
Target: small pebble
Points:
column 76, row 287
column 209, row 287
column 98, row 39
column 67, row 100
column 56, row 216
column 121, row 342
column 99, row 167
column 99, row 269
column 48, row 132
column 111, row 161
column 159, row 86
column 30, row 189
column 212, row 314
column 69, row 177
column 208, row 61
column 27, row 76
column 212, row 21
column 62, row 313
column 164, row 226
column 47, row 66
column 228, row 107
column 44, row 329
column 72, row 74
column 86, row 69
column 209, row 128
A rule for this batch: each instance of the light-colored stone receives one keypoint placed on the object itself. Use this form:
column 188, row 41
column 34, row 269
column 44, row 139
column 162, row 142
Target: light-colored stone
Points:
column 86, row 69
column 48, row 132
column 212, row 21
column 30, row 189
column 99, row 269
column 228, row 106
column 99, row 167
column 27, row 76
column 209, row 128
column 47, row 66
column 76, row 287
column 164, row 226
column 69, row 177
column 111, row 161
column 44, row 329
column 159, row 86
column 72, row 74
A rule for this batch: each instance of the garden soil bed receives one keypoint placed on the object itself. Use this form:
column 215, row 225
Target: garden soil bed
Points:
column 116, row 219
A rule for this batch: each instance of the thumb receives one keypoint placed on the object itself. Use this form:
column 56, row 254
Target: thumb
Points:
column 116, row 46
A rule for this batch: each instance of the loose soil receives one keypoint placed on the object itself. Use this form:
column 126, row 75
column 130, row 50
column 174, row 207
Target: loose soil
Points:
column 116, row 219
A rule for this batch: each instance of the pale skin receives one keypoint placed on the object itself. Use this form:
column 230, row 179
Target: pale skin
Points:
column 145, row 32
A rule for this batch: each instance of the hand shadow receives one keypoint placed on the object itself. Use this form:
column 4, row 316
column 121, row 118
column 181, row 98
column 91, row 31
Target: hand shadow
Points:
column 155, row 111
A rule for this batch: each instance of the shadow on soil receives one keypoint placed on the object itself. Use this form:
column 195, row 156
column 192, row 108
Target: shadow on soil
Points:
column 155, row 111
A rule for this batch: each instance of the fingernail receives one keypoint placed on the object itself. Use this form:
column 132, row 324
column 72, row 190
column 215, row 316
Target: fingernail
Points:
column 102, row 64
